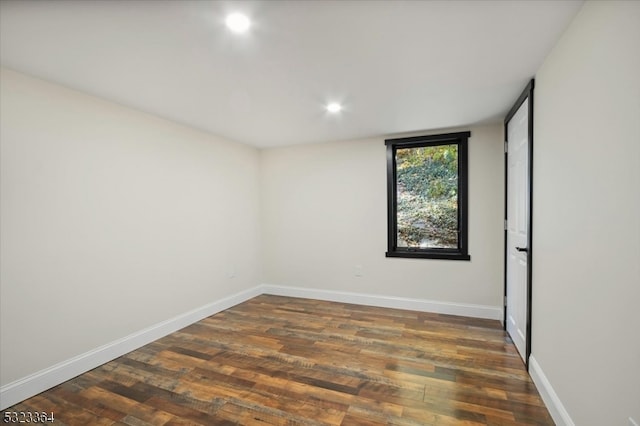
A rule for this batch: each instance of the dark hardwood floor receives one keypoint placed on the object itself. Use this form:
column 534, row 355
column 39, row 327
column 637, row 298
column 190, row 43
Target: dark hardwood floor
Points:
column 287, row 361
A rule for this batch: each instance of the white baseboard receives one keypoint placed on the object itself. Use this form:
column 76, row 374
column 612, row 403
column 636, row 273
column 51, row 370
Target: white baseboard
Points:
column 552, row 401
column 40, row 381
column 466, row 310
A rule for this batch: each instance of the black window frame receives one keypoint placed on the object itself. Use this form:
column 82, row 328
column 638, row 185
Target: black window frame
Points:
column 462, row 251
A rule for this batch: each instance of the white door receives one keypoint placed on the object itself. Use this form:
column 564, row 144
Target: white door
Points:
column 517, row 226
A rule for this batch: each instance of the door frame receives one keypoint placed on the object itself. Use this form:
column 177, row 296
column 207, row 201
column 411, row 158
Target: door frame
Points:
column 527, row 94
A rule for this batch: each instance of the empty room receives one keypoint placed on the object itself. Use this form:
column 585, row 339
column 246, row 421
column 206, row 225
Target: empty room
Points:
column 320, row 212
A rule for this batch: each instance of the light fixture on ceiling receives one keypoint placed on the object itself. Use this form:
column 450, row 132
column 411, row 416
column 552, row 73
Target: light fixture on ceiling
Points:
column 238, row 23
column 334, row 108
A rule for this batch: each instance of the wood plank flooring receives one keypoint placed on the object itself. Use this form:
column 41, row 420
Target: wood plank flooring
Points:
column 287, row 361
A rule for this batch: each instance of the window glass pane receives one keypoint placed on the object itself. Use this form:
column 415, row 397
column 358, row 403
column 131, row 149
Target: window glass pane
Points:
column 427, row 197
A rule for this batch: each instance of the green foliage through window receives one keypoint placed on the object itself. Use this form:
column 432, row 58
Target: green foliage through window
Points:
column 427, row 196
column 427, row 186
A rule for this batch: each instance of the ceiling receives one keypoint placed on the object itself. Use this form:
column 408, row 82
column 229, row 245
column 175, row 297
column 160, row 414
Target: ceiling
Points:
column 397, row 66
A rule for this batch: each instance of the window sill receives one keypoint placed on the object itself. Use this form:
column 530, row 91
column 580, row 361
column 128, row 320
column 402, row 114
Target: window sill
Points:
column 428, row 255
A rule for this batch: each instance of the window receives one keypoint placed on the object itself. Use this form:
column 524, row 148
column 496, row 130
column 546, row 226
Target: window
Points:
column 427, row 196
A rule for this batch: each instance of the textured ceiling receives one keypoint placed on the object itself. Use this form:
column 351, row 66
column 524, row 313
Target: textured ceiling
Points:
column 397, row 66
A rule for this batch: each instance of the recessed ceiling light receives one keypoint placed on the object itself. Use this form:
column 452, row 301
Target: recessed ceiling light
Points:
column 334, row 107
column 237, row 22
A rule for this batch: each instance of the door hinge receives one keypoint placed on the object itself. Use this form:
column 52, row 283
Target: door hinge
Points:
column 506, row 147
column 506, row 224
column 505, row 301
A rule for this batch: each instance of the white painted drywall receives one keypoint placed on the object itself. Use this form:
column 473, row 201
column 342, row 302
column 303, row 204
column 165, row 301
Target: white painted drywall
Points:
column 112, row 221
column 586, row 229
column 325, row 221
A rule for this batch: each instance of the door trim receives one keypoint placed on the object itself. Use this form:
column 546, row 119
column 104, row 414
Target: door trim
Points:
column 527, row 94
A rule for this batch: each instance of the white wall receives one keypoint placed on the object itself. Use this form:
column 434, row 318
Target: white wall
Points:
column 586, row 238
column 325, row 211
column 112, row 221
